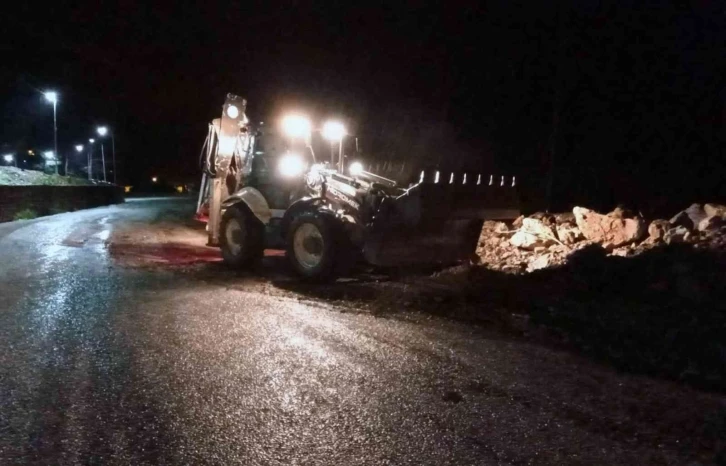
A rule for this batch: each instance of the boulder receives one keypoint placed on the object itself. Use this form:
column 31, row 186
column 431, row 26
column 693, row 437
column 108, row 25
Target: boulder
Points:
column 681, row 219
column 526, row 240
column 609, row 231
column 565, row 217
column 711, row 223
column 533, row 233
column 716, row 210
column 538, row 263
column 695, row 214
column 621, row 252
column 568, row 233
column 677, row 235
column 621, row 213
column 657, row 230
column 501, row 228
column 544, row 217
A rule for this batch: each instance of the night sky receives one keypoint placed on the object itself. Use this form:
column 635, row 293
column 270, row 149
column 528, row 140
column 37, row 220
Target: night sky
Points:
column 630, row 100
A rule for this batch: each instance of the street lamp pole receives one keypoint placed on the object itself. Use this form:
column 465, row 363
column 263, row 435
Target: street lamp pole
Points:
column 103, row 162
column 341, row 162
column 103, row 131
column 55, row 137
column 113, row 151
column 52, row 97
column 79, row 149
column 90, row 158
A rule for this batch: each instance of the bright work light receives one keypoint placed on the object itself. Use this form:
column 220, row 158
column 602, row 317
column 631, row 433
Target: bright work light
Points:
column 291, row 165
column 296, row 126
column 355, row 169
column 333, row 131
column 232, row 111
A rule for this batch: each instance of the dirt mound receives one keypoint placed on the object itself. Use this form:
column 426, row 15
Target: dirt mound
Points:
column 546, row 240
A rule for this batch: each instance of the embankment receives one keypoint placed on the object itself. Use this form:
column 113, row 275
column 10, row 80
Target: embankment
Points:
column 17, row 202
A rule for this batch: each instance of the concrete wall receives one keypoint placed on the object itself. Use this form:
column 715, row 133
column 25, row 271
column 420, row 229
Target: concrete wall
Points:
column 48, row 200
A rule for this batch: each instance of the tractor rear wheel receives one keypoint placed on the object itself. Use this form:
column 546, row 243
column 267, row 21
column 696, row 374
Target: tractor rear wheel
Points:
column 241, row 237
column 313, row 246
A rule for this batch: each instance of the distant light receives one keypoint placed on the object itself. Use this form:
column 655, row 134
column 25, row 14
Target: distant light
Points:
column 296, row 126
column 355, row 169
column 291, row 165
column 49, row 155
column 91, row 140
column 30, row 152
column 8, row 158
column 102, row 130
column 180, row 189
column 232, row 111
column 154, row 179
column 51, row 96
column 333, row 131
column 79, row 147
column 127, row 189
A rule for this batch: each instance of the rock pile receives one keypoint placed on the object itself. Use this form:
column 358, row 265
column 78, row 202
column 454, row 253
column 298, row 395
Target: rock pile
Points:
column 544, row 240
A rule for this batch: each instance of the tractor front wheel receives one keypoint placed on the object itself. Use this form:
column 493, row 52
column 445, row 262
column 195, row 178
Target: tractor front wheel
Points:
column 241, row 237
column 313, row 244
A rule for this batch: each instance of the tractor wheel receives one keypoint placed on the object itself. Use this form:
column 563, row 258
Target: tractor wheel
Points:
column 314, row 245
column 241, row 238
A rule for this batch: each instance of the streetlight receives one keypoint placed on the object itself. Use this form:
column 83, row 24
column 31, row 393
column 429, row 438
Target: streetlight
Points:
column 154, row 179
column 79, row 147
column 10, row 158
column 334, row 131
column 52, row 97
column 103, row 131
column 90, row 158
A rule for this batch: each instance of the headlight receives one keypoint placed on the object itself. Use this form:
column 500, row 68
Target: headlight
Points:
column 333, row 131
column 232, row 111
column 355, row 169
column 296, row 126
column 291, row 165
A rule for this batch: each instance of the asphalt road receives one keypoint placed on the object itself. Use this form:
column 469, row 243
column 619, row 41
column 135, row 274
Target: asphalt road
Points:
column 106, row 363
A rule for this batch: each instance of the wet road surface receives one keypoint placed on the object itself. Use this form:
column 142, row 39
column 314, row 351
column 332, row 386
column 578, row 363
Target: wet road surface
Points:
column 102, row 363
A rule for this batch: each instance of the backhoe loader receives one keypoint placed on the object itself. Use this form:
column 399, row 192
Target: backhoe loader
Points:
column 264, row 188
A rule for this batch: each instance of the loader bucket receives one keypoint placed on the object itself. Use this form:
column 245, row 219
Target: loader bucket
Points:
column 439, row 220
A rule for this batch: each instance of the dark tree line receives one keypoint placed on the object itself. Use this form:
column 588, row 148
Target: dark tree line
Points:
column 594, row 103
